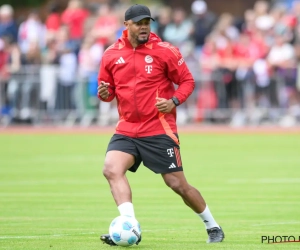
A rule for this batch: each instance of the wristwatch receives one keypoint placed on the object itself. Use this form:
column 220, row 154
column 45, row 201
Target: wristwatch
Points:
column 175, row 100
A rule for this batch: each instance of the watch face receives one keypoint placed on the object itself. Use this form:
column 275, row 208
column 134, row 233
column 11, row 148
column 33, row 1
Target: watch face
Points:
column 176, row 102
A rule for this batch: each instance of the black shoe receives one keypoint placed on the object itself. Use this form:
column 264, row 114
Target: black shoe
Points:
column 215, row 235
column 107, row 240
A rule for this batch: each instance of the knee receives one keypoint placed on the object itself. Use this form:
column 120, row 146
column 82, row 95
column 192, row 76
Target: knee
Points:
column 110, row 171
column 176, row 186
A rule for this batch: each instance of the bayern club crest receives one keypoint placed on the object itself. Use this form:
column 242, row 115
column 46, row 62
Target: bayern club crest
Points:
column 148, row 59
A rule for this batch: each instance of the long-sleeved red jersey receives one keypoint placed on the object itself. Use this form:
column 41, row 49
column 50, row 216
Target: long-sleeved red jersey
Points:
column 137, row 76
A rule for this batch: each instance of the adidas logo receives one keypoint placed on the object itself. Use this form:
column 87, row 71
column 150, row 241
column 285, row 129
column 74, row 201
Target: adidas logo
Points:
column 121, row 60
column 172, row 165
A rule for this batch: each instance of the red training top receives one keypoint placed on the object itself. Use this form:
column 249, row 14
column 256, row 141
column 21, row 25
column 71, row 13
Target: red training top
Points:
column 137, row 76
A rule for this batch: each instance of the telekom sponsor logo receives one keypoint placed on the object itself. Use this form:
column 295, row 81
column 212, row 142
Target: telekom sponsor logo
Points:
column 148, row 69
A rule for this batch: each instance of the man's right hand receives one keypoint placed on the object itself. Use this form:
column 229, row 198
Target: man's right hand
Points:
column 103, row 90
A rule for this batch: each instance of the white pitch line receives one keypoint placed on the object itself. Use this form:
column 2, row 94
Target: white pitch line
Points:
column 277, row 223
column 19, row 237
column 41, row 236
column 265, row 181
column 4, row 237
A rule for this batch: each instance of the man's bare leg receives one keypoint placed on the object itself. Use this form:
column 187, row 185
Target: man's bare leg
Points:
column 115, row 166
column 192, row 198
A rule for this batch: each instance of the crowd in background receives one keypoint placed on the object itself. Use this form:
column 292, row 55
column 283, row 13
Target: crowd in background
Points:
column 245, row 69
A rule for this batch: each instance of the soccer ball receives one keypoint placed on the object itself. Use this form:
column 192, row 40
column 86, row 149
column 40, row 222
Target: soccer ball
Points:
column 124, row 231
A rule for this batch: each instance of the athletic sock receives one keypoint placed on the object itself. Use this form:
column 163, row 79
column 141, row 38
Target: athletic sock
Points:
column 208, row 219
column 126, row 208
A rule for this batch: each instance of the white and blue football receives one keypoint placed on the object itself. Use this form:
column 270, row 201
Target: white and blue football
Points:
column 125, row 231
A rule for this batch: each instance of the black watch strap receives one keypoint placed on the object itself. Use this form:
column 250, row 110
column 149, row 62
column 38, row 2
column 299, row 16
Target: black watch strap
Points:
column 175, row 100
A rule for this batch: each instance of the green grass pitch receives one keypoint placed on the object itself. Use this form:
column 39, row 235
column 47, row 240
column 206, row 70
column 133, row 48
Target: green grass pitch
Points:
column 53, row 194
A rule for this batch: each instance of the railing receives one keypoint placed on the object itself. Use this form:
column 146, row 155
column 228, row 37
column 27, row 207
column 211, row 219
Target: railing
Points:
column 35, row 95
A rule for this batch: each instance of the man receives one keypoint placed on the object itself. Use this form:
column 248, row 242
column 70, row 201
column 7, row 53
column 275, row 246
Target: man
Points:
column 139, row 70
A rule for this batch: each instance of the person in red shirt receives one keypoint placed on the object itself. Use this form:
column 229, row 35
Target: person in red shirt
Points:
column 106, row 25
column 74, row 17
column 53, row 21
column 139, row 71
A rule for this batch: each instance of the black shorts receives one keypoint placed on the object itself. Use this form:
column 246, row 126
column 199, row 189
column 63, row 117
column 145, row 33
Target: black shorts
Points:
column 159, row 153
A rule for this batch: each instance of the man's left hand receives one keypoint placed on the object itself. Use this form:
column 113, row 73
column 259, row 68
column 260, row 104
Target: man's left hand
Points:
column 163, row 105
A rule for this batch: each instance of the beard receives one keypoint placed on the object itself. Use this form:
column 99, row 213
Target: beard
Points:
column 142, row 41
column 137, row 39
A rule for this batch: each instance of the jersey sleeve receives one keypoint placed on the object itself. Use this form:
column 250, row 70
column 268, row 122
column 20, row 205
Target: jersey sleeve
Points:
column 178, row 73
column 106, row 76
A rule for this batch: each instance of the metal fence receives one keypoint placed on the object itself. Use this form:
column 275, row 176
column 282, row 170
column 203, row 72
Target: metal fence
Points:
column 34, row 95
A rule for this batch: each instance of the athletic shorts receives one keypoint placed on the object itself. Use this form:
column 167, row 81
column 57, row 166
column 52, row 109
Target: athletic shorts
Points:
column 159, row 153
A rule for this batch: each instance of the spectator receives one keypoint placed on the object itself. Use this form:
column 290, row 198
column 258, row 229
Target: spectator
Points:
column 261, row 8
column 67, row 74
column 90, row 56
column 106, row 26
column 32, row 29
column 282, row 59
column 163, row 19
column 203, row 23
column 4, row 78
column 8, row 27
column 24, row 82
column 246, row 52
column 283, row 23
column 206, row 95
column 4, row 56
column 53, row 21
column 48, row 73
column 89, row 60
column 226, row 84
column 74, row 17
column 225, row 26
column 249, row 22
column 179, row 30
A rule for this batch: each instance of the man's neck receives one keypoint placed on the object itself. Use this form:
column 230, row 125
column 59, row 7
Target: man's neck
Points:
column 133, row 42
